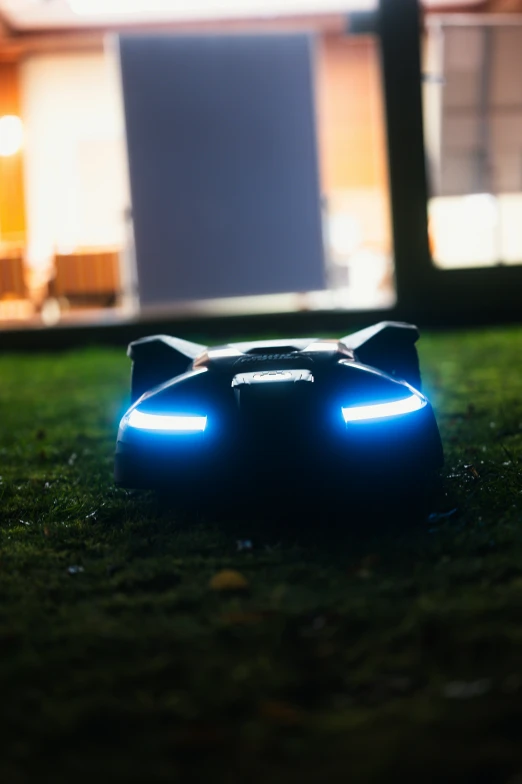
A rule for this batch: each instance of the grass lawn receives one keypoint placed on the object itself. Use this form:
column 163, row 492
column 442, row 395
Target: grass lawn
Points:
column 346, row 658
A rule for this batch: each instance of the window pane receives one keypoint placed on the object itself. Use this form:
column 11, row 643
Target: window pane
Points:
column 473, row 121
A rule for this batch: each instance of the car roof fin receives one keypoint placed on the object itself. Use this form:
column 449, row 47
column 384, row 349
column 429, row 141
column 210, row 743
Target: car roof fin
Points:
column 384, row 336
column 155, row 346
column 388, row 346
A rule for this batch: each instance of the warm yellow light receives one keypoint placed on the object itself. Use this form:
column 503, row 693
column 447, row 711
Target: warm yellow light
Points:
column 214, row 8
column 11, row 135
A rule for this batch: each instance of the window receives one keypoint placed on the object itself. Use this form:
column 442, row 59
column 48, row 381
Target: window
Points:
column 473, row 121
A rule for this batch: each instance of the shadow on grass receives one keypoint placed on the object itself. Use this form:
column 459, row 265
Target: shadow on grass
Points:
column 321, row 519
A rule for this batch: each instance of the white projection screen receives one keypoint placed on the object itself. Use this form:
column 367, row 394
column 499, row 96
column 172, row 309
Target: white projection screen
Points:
column 223, row 166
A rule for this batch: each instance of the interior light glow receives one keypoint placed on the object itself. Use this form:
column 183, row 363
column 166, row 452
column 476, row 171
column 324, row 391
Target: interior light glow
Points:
column 167, row 423
column 214, row 8
column 11, row 135
column 117, row 7
column 381, row 410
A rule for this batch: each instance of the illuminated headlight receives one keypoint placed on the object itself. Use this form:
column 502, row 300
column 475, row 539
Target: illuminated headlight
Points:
column 166, row 423
column 383, row 410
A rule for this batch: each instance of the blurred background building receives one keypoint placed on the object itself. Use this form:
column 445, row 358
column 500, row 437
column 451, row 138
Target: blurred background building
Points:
column 66, row 231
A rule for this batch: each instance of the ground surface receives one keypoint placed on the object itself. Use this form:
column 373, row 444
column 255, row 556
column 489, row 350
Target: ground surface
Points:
column 346, row 659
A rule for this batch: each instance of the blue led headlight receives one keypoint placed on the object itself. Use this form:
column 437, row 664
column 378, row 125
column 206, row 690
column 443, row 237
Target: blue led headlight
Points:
column 256, row 419
column 166, row 423
column 394, row 408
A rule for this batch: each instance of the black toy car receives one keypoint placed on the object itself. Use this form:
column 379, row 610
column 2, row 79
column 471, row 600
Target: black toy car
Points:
column 274, row 415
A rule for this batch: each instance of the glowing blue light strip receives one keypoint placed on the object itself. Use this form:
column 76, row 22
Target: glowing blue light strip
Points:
column 169, row 423
column 382, row 410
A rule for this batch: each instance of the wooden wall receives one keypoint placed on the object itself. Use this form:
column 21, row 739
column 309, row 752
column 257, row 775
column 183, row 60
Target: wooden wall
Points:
column 350, row 114
column 12, row 207
column 352, row 138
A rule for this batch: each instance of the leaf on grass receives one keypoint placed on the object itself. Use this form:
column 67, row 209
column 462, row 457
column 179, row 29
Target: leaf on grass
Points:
column 282, row 713
column 228, row 580
column 472, row 470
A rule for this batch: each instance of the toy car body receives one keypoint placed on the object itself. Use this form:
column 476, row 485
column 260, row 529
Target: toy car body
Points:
column 278, row 413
